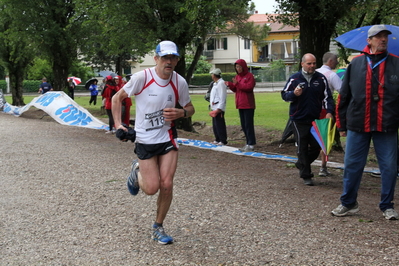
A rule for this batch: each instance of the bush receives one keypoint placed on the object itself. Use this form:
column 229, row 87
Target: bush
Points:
column 31, row 85
column 3, row 85
column 28, row 85
column 205, row 79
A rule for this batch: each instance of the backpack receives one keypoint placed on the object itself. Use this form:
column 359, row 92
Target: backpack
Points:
column 207, row 96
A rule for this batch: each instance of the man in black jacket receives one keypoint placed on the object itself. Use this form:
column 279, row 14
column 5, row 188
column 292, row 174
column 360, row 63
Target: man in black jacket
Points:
column 368, row 108
column 307, row 91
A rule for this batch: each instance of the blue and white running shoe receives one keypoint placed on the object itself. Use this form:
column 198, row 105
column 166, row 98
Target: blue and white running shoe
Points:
column 133, row 179
column 159, row 235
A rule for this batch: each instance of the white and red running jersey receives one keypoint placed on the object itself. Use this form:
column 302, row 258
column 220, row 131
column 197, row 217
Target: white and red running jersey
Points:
column 152, row 95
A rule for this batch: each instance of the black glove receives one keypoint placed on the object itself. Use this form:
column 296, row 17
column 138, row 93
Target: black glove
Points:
column 125, row 136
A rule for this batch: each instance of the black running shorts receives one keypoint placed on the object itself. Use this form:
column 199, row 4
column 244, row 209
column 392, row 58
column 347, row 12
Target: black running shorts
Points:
column 147, row 151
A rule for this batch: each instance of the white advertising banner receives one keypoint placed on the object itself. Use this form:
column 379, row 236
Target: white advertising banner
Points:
column 62, row 108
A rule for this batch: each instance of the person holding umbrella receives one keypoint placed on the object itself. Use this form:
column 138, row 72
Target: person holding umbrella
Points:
column 330, row 62
column 93, row 92
column 368, row 109
column 71, row 88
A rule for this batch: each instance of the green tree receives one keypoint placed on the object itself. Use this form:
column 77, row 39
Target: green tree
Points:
column 202, row 67
column 317, row 20
column 139, row 25
column 54, row 30
column 224, row 16
column 370, row 13
column 16, row 51
column 40, row 68
column 135, row 27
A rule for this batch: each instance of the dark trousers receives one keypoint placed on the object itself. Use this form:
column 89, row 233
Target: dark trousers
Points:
column 71, row 93
column 308, row 149
column 93, row 99
column 247, row 124
column 219, row 128
column 110, row 119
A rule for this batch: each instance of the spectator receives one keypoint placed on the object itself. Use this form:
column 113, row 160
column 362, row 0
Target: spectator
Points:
column 157, row 90
column 71, row 89
column 93, row 93
column 109, row 91
column 330, row 62
column 217, row 102
column 367, row 109
column 307, row 91
column 243, row 86
column 103, row 100
column 45, row 86
column 126, row 103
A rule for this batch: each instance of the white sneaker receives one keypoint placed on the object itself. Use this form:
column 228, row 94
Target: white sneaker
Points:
column 390, row 214
column 247, row 148
column 324, row 172
column 343, row 211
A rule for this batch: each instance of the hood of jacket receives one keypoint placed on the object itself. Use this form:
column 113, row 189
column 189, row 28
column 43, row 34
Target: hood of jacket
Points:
column 244, row 66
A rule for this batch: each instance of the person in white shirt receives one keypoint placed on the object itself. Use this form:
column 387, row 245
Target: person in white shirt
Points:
column 218, row 106
column 157, row 91
column 330, row 62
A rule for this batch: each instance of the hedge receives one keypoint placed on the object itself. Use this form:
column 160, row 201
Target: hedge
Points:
column 197, row 80
column 28, row 85
column 205, row 79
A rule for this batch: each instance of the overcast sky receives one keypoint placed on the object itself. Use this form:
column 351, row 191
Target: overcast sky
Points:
column 264, row 6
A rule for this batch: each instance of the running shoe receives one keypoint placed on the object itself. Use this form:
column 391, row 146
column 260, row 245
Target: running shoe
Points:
column 133, row 179
column 159, row 235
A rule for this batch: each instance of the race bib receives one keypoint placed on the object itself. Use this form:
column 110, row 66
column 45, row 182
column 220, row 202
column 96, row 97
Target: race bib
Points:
column 154, row 120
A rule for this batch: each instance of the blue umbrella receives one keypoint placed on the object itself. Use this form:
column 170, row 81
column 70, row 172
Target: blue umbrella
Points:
column 357, row 39
column 105, row 73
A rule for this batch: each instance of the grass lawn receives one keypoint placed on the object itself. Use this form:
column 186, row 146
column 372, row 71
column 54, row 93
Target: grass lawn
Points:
column 271, row 111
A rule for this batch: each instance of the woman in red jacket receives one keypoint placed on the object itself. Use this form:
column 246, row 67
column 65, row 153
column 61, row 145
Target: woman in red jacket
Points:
column 243, row 85
column 126, row 103
column 110, row 89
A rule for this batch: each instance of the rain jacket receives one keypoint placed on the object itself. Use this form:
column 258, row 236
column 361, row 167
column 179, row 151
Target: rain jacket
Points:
column 369, row 96
column 315, row 96
column 110, row 89
column 244, row 88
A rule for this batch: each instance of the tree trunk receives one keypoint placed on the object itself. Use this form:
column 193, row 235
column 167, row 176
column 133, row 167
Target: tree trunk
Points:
column 181, row 65
column 315, row 37
column 60, row 82
column 197, row 56
column 62, row 59
column 118, row 66
column 183, row 123
column 16, row 85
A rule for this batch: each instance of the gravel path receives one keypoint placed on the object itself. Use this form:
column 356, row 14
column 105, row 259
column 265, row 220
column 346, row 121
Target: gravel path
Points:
column 64, row 202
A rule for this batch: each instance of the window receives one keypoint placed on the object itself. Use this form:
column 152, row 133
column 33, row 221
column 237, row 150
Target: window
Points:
column 210, row 45
column 247, row 44
column 127, row 70
column 217, row 44
column 221, row 44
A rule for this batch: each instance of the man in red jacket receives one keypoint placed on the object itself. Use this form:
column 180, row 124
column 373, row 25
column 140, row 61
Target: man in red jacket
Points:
column 368, row 110
column 243, row 85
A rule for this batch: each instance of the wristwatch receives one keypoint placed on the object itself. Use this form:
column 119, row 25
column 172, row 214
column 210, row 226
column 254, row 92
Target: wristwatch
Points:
column 185, row 113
